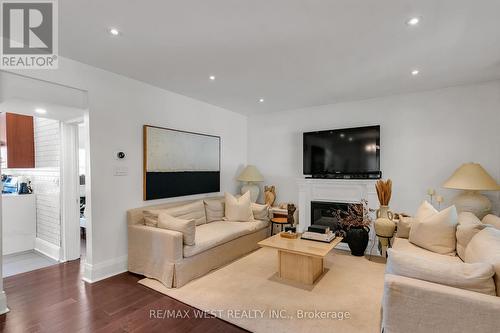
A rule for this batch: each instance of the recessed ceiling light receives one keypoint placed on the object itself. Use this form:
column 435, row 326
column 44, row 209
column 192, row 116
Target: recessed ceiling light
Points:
column 261, row 100
column 114, row 31
column 212, row 77
column 413, row 21
column 40, row 111
column 415, row 72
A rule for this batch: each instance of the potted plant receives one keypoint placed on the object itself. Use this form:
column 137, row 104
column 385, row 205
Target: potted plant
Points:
column 356, row 223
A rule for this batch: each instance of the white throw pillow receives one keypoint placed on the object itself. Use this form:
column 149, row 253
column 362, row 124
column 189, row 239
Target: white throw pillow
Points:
column 260, row 212
column 238, row 209
column 214, row 210
column 485, row 247
column 186, row 227
column 476, row 277
column 404, row 225
column 492, row 220
column 425, row 210
column 436, row 233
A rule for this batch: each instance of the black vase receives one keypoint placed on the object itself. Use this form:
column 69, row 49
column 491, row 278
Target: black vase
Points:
column 357, row 239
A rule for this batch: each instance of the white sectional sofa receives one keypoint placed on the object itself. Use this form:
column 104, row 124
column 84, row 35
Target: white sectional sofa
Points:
column 415, row 305
column 161, row 254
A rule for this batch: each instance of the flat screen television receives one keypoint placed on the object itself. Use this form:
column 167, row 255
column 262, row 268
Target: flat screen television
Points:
column 343, row 153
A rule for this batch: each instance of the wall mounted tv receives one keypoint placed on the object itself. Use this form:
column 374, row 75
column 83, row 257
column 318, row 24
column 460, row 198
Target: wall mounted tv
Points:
column 343, row 153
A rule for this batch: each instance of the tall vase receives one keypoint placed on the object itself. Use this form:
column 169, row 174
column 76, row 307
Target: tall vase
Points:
column 384, row 227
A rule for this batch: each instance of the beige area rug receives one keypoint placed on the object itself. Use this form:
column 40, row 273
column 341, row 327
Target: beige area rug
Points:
column 248, row 294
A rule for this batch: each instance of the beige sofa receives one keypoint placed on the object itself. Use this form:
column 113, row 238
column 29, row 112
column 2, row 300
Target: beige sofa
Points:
column 160, row 253
column 414, row 305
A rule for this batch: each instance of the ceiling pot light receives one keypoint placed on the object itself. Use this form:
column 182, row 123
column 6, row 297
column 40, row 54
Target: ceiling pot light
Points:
column 212, row 77
column 415, row 72
column 261, row 100
column 114, row 31
column 413, row 21
column 40, row 111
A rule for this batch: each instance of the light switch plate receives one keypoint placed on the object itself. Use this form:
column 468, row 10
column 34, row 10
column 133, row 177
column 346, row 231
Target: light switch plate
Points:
column 121, row 171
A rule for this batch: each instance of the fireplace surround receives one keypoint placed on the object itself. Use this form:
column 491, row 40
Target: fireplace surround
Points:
column 338, row 191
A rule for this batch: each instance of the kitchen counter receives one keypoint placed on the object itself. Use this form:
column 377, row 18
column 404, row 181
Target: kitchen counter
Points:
column 18, row 222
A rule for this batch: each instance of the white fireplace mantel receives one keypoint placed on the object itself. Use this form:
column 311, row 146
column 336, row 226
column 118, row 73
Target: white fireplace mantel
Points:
column 334, row 190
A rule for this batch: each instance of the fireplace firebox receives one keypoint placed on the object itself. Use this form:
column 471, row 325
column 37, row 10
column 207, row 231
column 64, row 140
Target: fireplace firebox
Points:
column 325, row 213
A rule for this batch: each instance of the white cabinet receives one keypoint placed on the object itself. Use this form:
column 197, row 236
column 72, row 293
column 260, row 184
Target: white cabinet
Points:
column 18, row 222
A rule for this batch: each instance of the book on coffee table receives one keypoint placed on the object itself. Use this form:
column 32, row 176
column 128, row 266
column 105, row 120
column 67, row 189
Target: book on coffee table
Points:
column 315, row 236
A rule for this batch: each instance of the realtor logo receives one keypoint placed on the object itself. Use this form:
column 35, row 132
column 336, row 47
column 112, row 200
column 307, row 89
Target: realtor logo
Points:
column 29, row 34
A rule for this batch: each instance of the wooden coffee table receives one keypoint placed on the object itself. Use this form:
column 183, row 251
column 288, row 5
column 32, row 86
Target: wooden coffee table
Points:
column 300, row 260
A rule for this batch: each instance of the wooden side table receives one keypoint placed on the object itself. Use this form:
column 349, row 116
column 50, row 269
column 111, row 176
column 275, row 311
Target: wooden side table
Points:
column 279, row 216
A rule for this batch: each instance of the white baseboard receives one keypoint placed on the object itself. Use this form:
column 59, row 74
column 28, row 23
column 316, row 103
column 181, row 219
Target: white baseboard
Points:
column 103, row 270
column 48, row 249
column 3, row 303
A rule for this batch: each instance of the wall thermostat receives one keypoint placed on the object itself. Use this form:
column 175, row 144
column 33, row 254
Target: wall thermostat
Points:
column 120, row 155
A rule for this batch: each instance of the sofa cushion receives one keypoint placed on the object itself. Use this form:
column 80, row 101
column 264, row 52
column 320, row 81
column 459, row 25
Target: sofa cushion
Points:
column 186, row 227
column 492, row 220
column 260, row 212
column 191, row 211
column 219, row 232
column 436, row 233
column 476, row 277
column 238, row 209
column 485, row 247
column 465, row 233
column 214, row 209
column 405, row 246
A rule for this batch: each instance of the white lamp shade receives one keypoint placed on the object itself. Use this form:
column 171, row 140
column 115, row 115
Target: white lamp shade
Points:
column 250, row 174
column 473, row 177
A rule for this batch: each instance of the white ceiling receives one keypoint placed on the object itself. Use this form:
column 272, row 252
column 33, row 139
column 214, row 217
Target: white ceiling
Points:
column 292, row 53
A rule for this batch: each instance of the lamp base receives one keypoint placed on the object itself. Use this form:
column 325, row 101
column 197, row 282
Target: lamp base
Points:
column 474, row 202
column 253, row 189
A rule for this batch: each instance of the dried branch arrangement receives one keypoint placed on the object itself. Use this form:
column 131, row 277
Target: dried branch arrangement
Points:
column 384, row 191
column 357, row 216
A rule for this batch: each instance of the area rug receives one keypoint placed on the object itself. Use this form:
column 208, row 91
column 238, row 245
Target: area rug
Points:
column 247, row 293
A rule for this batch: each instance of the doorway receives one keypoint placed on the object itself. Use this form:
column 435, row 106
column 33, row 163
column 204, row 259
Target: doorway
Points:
column 44, row 193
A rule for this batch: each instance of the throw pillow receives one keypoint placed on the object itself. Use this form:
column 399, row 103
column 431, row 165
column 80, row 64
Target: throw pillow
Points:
column 260, row 212
column 194, row 210
column 465, row 233
column 436, row 233
column 151, row 217
column 492, row 220
column 404, row 226
column 485, row 247
column 186, row 227
column 476, row 277
column 214, row 210
column 238, row 209
column 425, row 210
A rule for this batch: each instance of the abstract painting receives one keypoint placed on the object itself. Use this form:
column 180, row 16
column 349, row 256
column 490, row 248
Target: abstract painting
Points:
column 178, row 163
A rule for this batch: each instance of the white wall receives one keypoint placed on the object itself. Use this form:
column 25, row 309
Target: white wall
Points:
column 118, row 107
column 424, row 138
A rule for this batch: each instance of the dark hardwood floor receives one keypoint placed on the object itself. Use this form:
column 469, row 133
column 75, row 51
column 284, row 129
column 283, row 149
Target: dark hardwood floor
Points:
column 55, row 299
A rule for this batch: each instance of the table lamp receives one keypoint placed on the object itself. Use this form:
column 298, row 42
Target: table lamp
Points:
column 471, row 177
column 251, row 175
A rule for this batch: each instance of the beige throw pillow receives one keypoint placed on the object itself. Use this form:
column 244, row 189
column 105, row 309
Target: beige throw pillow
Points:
column 436, row 233
column 238, row 209
column 425, row 210
column 260, row 212
column 404, row 226
column 151, row 217
column 465, row 233
column 214, row 210
column 492, row 220
column 186, row 227
column 193, row 210
column 476, row 277
column 485, row 247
